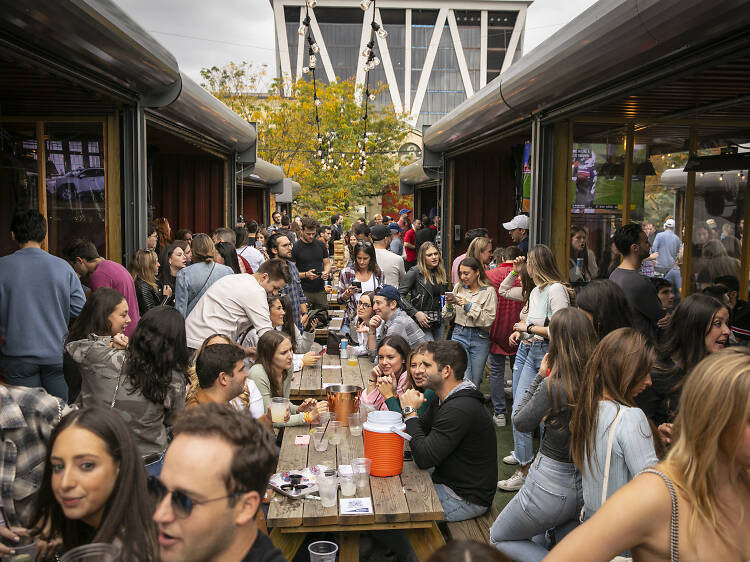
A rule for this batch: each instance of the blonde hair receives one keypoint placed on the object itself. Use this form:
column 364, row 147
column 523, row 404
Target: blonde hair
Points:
column 544, row 270
column 435, row 276
column 142, row 267
column 714, row 412
column 477, row 246
column 193, row 375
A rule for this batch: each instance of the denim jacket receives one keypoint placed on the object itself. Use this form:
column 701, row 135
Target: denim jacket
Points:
column 194, row 280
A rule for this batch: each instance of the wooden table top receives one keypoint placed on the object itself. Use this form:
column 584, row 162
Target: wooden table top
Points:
column 311, row 381
column 399, row 502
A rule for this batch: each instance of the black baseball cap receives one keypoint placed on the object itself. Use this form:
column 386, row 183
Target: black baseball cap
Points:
column 379, row 231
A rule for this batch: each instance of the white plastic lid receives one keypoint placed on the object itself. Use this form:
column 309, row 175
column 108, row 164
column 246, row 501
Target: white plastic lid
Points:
column 381, row 421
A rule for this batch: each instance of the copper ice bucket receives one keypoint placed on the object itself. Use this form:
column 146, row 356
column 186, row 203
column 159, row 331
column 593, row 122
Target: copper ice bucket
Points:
column 343, row 399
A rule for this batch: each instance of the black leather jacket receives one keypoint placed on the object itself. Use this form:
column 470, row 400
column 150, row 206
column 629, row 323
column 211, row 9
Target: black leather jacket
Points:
column 148, row 297
column 417, row 294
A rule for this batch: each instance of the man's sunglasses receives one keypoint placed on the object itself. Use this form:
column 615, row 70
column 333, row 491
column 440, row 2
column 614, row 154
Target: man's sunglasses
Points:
column 182, row 504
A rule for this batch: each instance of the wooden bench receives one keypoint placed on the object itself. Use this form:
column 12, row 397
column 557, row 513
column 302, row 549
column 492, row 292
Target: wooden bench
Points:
column 477, row 529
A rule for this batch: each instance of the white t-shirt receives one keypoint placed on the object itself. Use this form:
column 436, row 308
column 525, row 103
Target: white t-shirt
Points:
column 255, row 407
column 391, row 265
column 229, row 307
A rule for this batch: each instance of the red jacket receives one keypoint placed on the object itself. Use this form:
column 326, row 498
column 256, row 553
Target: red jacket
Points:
column 508, row 312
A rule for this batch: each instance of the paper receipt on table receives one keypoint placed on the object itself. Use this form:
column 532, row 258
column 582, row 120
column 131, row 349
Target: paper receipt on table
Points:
column 355, row 506
column 302, row 440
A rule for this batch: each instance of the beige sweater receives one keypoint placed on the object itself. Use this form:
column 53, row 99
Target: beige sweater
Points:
column 480, row 309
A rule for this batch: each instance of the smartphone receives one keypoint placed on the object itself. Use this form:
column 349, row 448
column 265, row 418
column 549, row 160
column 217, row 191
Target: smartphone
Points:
column 449, row 296
column 322, row 351
column 357, row 284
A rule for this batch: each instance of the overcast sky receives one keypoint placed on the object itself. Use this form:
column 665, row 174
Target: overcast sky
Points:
column 202, row 34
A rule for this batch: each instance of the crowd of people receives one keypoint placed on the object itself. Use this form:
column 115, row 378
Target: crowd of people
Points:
column 136, row 404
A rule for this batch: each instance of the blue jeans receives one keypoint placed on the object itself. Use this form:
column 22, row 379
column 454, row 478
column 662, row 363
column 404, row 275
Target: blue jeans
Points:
column 497, row 381
column 476, row 342
column 434, row 334
column 551, row 498
column 455, row 508
column 528, row 359
column 154, row 467
column 21, row 372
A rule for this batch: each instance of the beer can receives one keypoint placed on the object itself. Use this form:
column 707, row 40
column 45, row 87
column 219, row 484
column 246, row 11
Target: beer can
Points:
column 442, row 301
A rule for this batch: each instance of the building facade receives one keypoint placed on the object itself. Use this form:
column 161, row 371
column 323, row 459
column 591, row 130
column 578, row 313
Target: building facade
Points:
column 435, row 56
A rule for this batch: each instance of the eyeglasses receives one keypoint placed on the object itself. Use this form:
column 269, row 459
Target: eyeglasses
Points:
column 182, row 504
column 364, row 244
column 363, row 304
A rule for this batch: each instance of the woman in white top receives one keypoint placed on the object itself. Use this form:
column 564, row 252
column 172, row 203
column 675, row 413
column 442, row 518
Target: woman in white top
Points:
column 549, row 295
column 362, row 274
column 607, row 430
column 705, row 474
column 250, row 399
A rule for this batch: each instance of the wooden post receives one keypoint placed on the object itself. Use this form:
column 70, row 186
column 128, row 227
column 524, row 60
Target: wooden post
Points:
column 41, row 174
column 561, row 186
column 628, row 173
column 687, row 269
column 745, row 265
column 113, row 222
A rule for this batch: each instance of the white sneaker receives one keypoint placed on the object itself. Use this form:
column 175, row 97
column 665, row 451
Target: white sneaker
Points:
column 499, row 420
column 513, row 483
column 510, row 459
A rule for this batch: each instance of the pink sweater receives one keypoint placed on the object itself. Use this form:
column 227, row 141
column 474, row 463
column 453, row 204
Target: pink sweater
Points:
column 374, row 398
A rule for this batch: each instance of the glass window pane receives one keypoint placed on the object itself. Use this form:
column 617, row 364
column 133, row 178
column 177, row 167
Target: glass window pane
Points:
column 19, row 180
column 76, row 203
column 596, row 200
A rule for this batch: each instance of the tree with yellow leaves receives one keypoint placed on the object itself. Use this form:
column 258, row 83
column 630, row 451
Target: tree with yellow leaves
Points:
column 288, row 136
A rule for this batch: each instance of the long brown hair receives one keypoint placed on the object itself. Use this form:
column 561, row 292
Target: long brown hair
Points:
column 572, row 340
column 164, row 231
column 544, row 270
column 619, row 363
column 268, row 343
column 435, row 276
column 419, row 349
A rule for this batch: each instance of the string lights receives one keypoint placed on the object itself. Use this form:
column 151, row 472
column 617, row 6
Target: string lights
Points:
column 325, row 141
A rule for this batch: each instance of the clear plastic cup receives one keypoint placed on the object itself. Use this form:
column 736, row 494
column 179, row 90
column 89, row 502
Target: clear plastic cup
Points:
column 355, row 424
column 319, row 439
column 327, row 488
column 25, row 553
column 335, row 432
column 323, row 551
column 348, row 485
column 279, row 407
column 361, row 470
column 95, row 552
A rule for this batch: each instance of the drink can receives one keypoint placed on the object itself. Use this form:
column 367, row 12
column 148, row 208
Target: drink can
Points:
column 442, row 301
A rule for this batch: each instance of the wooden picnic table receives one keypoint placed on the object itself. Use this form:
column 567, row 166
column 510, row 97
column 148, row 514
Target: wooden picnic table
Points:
column 311, row 382
column 407, row 502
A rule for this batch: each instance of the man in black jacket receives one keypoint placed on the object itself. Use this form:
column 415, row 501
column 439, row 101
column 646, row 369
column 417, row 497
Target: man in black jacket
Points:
column 455, row 435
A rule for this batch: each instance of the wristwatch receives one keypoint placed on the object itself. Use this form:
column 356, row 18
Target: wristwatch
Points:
column 409, row 410
column 528, row 328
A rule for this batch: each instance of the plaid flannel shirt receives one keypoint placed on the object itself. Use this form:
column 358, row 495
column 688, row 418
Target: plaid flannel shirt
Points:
column 27, row 416
column 294, row 291
column 400, row 324
column 346, row 277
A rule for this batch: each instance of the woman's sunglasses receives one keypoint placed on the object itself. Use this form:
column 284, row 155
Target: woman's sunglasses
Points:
column 182, row 504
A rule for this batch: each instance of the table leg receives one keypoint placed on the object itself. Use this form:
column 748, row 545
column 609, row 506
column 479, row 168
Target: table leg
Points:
column 349, row 545
column 425, row 542
column 287, row 543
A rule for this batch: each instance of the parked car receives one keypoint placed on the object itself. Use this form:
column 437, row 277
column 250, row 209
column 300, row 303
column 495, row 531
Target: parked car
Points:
column 76, row 182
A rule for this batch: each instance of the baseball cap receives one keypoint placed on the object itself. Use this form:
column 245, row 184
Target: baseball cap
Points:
column 393, row 226
column 519, row 221
column 379, row 231
column 669, row 223
column 390, row 292
column 404, row 211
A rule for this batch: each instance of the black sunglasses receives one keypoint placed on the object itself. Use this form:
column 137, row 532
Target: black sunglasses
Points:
column 182, row 504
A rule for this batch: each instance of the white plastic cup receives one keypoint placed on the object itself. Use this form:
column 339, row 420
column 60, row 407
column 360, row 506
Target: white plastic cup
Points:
column 323, row 551
column 327, row 488
column 320, row 442
column 95, row 552
column 355, row 424
column 23, row 553
column 279, row 407
column 361, row 469
column 348, row 485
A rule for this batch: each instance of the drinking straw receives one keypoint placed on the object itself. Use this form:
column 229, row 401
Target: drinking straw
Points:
column 326, row 428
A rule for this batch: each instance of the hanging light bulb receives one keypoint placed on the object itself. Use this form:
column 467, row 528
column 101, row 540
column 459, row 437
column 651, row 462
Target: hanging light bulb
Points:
column 313, row 61
column 320, row 153
column 367, row 52
column 304, row 25
column 701, row 174
column 382, row 33
column 314, row 48
column 364, row 4
column 375, row 62
column 312, row 4
column 721, row 177
column 320, row 138
column 372, row 97
column 317, row 101
column 305, row 70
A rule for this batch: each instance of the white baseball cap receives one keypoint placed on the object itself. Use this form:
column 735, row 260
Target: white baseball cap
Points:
column 519, row 221
column 669, row 223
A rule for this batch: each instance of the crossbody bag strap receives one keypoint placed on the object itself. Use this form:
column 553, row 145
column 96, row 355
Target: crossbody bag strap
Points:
column 610, row 442
column 674, row 546
column 207, row 278
column 117, row 387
